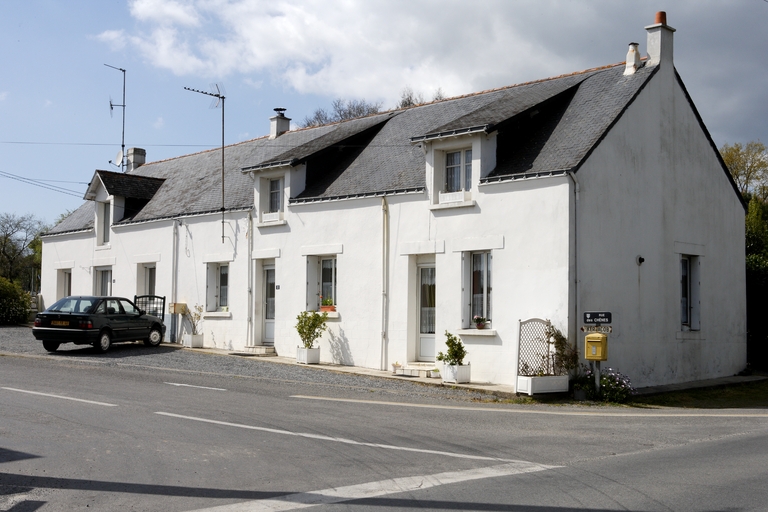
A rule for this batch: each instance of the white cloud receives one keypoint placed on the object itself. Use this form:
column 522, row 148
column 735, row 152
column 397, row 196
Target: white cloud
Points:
column 114, row 38
column 159, row 123
column 372, row 48
column 165, row 12
column 3, row 95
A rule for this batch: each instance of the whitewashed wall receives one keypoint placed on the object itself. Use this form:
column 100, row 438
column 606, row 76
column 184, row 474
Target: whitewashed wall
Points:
column 654, row 188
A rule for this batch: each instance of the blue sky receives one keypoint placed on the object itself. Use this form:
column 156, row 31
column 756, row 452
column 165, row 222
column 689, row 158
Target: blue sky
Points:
column 55, row 124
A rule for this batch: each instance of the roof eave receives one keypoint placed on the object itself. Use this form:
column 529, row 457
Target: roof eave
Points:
column 485, row 128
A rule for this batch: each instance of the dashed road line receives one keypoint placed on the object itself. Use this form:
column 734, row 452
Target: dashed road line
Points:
column 62, row 397
column 342, row 440
column 192, row 386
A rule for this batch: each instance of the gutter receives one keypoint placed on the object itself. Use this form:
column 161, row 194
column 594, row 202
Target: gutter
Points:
column 576, row 193
column 384, row 281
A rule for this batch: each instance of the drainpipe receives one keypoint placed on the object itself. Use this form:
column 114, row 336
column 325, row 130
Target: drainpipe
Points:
column 174, row 271
column 384, row 280
column 249, row 335
column 576, row 191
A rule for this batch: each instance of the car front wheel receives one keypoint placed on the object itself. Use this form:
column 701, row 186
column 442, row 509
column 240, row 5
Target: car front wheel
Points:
column 155, row 337
column 51, row 346
column 105, row 341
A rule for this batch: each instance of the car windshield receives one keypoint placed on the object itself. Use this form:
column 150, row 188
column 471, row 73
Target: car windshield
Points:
column 72, row 305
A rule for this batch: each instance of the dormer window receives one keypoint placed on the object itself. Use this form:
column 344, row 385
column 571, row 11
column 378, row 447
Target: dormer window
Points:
column 458, row 171
column 271, row 199
column 105, row 215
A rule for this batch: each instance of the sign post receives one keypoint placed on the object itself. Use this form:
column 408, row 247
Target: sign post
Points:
column 594, row 321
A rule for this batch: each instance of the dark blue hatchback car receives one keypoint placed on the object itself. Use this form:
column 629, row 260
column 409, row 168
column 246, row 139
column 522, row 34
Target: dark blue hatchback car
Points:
column 97, row 321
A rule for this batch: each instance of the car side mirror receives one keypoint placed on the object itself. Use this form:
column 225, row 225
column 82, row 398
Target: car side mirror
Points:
column 142, row 312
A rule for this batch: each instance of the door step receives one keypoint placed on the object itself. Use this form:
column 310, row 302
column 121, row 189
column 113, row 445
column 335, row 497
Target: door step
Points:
column 416, row 369
column 260, row 351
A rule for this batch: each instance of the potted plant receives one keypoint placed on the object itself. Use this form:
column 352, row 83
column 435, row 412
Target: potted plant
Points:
column 310, row 326
column 550, row 373
column 195, row 338
column 584, row 384
column 480, row 321
column 326, row 304
column 454, row 369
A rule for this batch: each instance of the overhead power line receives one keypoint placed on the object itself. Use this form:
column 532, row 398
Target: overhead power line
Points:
column 37, row 183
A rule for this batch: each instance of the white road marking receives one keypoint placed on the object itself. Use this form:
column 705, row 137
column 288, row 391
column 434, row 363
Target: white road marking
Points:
column 191, row 386
column 62, row 397
column 320, row 437
column 375, row 489
column 552, row 413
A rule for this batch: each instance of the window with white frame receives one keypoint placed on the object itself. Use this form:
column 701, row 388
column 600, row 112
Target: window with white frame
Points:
column 271, row 199
column 217, row 283
column 690, row 318
column 458, row 171
column 105, row 216
column 321, row 282
column 478, row 287
column 103, row 281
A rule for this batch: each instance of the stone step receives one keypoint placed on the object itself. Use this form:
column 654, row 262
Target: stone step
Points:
column 260, row 351
column 416, row 369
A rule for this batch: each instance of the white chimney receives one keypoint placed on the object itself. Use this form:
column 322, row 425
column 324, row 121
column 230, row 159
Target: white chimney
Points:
column 633, row 59
column 660, row 41
column 278, row 124
column 136, row 157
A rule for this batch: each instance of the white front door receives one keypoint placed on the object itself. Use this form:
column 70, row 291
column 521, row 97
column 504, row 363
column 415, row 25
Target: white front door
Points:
column 269, row 305
column 426, row 349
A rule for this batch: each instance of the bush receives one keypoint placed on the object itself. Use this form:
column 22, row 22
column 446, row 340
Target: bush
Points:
column 615, row 386
column 14, row 303
column 310, row 326
column 456, row 352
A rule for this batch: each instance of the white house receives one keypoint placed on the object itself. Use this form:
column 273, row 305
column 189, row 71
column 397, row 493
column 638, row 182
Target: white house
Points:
column 595, row 191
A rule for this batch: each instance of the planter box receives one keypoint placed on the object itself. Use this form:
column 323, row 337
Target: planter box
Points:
column 327, row 309
column 455, row 373
column 192, row 340
column 545, row 384
column 308, row 355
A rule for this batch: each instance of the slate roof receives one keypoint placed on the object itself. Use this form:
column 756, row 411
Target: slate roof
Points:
column 544, row 126
column 129, row 185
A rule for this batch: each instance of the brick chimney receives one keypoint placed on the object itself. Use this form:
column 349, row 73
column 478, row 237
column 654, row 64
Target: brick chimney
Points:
column 136, row 157
column 660, row 41
column 278, row 124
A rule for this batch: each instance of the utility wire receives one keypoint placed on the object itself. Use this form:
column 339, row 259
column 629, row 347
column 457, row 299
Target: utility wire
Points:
column 37, row 184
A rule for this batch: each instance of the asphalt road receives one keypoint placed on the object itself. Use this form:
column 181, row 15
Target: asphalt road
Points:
column 175, row 430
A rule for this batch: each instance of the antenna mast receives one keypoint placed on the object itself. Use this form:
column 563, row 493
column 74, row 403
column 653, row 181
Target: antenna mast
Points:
column 219, row 100
column 111, row 106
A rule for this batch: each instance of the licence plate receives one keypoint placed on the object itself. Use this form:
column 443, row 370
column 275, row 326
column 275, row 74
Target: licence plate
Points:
column 60, row 322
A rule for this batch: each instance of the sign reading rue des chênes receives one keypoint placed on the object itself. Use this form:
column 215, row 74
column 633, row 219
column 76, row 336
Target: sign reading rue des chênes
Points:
column 597, row 317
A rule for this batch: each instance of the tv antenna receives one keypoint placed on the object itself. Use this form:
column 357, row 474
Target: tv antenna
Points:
column 218, row 99
column 121, row 154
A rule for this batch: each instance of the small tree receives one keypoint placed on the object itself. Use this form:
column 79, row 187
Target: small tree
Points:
column 748, row 164
column 456, row 352
column 310, row 326
column 341, row 110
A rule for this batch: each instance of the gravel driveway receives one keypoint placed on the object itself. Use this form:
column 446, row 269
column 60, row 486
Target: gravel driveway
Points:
column 19, row 340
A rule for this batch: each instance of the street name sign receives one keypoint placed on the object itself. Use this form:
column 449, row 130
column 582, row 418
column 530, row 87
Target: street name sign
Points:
column 597, row 317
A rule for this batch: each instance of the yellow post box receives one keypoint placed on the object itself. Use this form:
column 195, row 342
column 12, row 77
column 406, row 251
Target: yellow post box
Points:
column 596, row 347
column 178, row 308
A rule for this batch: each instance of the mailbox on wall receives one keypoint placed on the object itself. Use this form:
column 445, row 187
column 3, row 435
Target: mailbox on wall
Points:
column 596, row 347
column 178, row 308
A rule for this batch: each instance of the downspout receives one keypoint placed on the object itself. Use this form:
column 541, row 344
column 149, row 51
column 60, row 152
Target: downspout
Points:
column 576, row 191
column 384, row 280
column 174, row 280
column 249, row 335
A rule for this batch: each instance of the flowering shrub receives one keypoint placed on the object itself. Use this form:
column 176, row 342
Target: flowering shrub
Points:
column 585, row 380
column 615, row 386
column 479, row 320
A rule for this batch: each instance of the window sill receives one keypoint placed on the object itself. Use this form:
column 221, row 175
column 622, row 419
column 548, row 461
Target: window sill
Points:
column 271, row 223
column 217, row 314
column 103, row 247
column 690, row 335
column 332, row 315
column 476, row 332
column 448, row 206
